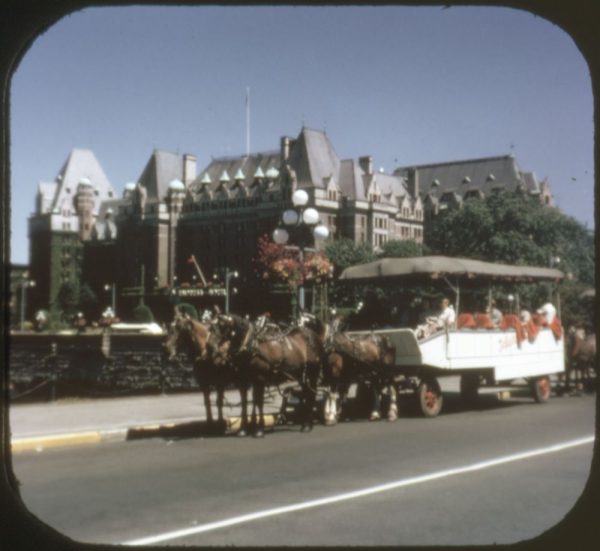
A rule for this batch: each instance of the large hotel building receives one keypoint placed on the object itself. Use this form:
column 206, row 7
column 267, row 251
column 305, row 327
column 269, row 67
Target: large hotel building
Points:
column 140, row 242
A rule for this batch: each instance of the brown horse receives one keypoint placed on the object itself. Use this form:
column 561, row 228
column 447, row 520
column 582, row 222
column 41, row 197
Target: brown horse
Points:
column 294, row 355
column 581, row 359
column 202, row 344
column 362, row 359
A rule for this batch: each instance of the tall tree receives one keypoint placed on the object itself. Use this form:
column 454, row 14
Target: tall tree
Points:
column 516, row 229
column 345, row 252
column 402, row 249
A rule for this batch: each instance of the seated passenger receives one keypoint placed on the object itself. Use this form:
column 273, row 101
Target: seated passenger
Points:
column 445, row 318
column 525, row 316
column 548, row 313
column 494, row 313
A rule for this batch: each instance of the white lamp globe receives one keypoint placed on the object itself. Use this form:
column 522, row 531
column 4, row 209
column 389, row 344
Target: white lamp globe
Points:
column 290, row 217
column 280, row 236
column 321, row 232
column 299, row 198
column 310, row 216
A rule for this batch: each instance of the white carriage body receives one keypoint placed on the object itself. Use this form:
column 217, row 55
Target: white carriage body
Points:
column 478, row 349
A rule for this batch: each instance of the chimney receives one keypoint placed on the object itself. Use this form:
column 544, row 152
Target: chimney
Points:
column 412, row 182
column 189, row 168
column 366, row 163
column 286, row 145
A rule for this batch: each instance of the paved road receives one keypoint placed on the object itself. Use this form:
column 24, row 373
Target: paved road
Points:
column 416, row 482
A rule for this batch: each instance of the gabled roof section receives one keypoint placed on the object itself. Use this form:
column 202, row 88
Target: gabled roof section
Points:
column 162, row 168
column 350, row 180
column 390, row 186
column 81, row 163
column 45, row 197
column 483, row 174
column 313, row 158
column 248, row 165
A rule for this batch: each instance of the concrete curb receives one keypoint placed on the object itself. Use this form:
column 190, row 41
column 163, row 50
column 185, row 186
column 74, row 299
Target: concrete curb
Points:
column 136, row 432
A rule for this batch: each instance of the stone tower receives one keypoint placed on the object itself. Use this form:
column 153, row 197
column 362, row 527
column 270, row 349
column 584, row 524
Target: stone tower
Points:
column 84, row 207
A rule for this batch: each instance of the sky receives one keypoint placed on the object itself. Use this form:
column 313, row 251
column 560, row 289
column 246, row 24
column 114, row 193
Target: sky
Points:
column 406, row 85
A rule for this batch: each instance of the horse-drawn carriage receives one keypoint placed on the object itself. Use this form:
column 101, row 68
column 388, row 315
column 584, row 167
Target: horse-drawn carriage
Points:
column 480, row 353
column 325, row 361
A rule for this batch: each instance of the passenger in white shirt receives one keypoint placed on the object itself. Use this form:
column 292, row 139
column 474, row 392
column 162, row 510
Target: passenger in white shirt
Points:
column 548, row 312
column 447, row 316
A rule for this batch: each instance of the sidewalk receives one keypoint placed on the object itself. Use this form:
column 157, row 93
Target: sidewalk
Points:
column 88, row 421
column 72, row 422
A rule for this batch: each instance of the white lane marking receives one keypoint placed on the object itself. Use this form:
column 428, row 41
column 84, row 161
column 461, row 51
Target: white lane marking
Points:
column 150, row 540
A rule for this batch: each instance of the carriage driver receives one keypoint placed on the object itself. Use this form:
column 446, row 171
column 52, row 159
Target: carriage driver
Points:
column 445, row 318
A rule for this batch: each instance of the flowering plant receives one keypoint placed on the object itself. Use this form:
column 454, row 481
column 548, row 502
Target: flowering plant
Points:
column 279, row 263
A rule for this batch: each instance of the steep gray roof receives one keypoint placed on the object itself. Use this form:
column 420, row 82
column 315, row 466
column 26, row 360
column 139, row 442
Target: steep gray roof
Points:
column 231, row 165
column 484, row 174
column 350, row 179
column 45, row 196
column 313, row 158
column 81, row 163
column 390, row 186
column 162, row 168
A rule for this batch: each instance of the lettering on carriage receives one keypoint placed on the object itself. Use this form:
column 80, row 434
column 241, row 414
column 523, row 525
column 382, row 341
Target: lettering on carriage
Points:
column 508, row 341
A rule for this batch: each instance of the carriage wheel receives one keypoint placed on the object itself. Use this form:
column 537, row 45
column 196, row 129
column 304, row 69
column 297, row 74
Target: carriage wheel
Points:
column 541, row 389
column 469, row 387
column 429, row 396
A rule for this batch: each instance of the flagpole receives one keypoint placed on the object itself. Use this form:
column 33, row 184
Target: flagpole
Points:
column 247, row 121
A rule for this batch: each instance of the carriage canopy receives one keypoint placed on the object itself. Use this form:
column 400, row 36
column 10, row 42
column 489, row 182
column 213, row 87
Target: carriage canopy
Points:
column 435, row 267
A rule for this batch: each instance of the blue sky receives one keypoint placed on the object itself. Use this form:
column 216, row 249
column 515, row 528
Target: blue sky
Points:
column 405, row 85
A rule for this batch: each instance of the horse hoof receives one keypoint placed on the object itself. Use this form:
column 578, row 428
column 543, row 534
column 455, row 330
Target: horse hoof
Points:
column 306, row 428
column 241, row 433
column 374, row 417
column 392, row 418
column 259, row 434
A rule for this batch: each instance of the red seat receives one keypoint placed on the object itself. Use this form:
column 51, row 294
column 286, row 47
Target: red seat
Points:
column 511, row 321
column 483, row 321
column 465, row 321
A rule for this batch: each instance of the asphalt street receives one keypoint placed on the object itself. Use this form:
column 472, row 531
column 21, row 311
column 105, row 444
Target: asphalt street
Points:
column 501, row 473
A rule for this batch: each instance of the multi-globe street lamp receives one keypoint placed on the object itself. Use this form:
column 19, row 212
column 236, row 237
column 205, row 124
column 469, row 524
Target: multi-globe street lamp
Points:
column 25, row 284
column 303, row 226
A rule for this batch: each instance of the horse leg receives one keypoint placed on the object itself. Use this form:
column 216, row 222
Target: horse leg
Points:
column 220, row 400
column 207, row 407
column 258, row 395
column 331, row 411
column 393, row 409
column 308, row 401
column 375, row 414
column 244, row 410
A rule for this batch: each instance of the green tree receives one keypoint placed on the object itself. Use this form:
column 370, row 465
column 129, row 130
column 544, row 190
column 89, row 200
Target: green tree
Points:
column 345, row 252
column 187, row 308
column 67, row 300
column 402, row 249
column 88, row 301
column 143, row 314
column 516, row 229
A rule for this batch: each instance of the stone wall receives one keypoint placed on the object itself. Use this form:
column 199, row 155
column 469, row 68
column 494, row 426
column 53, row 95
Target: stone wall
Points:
column 49, row 366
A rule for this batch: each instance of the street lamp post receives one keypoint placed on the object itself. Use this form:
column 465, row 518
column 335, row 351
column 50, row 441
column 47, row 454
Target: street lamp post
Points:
column 304, row 223
column 112, row 288
column 228, row 276
column 24, row 285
